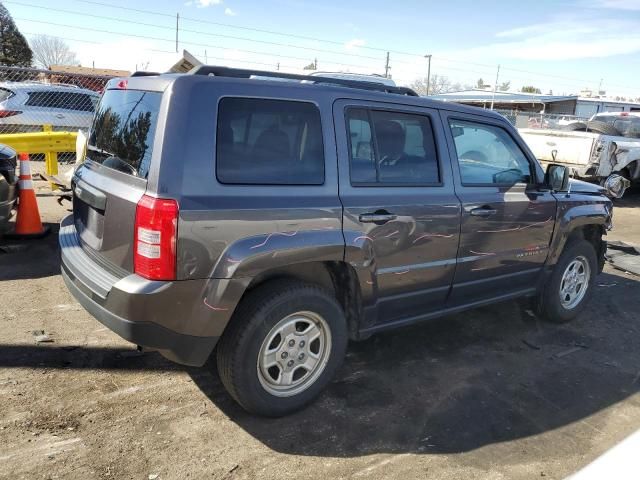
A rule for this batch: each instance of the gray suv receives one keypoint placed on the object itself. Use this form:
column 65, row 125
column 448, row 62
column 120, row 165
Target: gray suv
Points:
column 276, row 220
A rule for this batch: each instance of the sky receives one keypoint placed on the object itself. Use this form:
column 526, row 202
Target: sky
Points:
column 563, row 46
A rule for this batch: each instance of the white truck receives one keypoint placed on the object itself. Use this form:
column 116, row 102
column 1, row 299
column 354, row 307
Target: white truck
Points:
column 596, row 154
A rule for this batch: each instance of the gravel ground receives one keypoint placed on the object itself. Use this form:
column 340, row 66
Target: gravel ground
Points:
column 492, row 393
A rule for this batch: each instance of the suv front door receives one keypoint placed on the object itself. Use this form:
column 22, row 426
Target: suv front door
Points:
column 401, row 216
column 507, row 220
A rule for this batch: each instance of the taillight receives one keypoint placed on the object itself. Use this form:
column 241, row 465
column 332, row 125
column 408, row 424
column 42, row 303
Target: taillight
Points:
column 9, row 113
column 155, row 238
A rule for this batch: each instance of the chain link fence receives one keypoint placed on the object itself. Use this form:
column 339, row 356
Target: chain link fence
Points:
column 31, row 100
column 551, row 121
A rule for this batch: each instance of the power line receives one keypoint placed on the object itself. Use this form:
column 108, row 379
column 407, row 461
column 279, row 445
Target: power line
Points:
column 198, row 32
column 160, row 39
column 231, row 37
column 251, row 29
column 163, row 51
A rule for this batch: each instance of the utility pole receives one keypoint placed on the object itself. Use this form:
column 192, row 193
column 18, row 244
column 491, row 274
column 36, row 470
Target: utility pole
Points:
column 495, row 87
column 206, row 59
column 386, row 67
column 315, row 63
column 428, row 57
column 278, row 66
column 177, row 28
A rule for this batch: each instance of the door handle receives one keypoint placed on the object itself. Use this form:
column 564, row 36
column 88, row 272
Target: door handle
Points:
column 378, row 218
column 482, row 212
column 59, row 115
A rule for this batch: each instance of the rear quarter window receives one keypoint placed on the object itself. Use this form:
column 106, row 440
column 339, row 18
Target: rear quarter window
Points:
column 123, row 131
column 270, row 142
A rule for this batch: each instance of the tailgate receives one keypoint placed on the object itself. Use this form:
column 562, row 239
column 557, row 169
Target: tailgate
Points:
column 573, row 148
column 107, row 188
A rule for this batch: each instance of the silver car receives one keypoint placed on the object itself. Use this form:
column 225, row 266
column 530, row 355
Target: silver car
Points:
column 26, row 107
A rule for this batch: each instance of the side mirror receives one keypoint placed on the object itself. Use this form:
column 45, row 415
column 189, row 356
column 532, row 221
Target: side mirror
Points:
column 557, row 177
column 615, row 185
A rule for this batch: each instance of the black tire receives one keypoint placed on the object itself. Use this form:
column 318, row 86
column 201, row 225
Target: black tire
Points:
column 602, row 127
column 258, row 313
column 550, row 303
column 575, row 127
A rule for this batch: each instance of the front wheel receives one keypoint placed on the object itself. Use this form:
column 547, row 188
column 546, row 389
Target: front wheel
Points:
column 571, row 282
column 282, row 347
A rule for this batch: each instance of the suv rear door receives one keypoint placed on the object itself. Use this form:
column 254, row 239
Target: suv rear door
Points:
column 507, row 221
column 401, row 215
column 113, row 178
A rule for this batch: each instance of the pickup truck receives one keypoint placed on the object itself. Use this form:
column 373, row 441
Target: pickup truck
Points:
column 590, row 155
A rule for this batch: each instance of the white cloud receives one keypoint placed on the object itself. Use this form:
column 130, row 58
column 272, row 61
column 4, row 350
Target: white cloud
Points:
column 207, row 3
column 617, row 4
column 231, row 13
column 562, row 39
column 353, row 44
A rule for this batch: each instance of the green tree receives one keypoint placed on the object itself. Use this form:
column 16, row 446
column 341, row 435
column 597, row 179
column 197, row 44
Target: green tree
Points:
column 504, row 86
column 480, row 83
column 14, row 49
column 530, row 89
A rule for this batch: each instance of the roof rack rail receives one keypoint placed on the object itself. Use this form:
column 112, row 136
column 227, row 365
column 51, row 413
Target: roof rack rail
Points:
column 246, row 73
column 142, row 73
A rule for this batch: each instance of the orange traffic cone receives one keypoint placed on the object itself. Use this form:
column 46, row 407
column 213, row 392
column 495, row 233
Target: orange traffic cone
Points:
column 28, row 223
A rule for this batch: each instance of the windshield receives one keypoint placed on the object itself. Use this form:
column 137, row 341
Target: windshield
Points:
column 123, row 131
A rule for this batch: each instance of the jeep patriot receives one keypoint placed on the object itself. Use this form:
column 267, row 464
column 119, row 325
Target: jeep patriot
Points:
column 274, row 221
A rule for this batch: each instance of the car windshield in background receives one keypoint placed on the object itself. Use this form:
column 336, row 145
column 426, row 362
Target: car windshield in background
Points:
column 628, row 126
column 123, row 131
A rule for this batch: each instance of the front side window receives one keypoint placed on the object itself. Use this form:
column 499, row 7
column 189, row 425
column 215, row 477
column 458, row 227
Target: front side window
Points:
column 487, row 155
column 391, row 148
column 270, row 142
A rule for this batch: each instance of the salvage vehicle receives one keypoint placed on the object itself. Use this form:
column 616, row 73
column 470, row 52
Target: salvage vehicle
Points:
column 275, row 221
column 26, row 106
column 605, row 146
column 8, row 185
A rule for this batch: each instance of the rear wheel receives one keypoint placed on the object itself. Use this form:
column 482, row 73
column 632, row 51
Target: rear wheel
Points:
column 569, row 288
column 282, row 348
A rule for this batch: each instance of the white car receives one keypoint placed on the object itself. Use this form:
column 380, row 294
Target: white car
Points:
column 26, row 107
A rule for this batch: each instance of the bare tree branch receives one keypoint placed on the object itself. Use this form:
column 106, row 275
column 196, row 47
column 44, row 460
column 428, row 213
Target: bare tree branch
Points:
column 438, row 84
column 48, row 51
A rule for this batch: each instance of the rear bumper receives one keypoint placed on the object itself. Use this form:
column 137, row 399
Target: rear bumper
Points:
column 184, row 349
column 174, row 318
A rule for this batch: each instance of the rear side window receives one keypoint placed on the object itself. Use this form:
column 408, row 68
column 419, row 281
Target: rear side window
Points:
column 123, row 131
column 391, row 148
column 272, row 142
column 65, row 100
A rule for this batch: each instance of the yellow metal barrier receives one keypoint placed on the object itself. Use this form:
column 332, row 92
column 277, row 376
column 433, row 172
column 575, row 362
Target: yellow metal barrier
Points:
column 48, row 142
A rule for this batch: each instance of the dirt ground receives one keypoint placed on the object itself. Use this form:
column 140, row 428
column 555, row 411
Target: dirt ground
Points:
column 493, row 393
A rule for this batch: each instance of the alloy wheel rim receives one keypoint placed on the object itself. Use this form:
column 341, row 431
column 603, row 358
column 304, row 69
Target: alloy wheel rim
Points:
column 294, row 354
column 575, row 282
